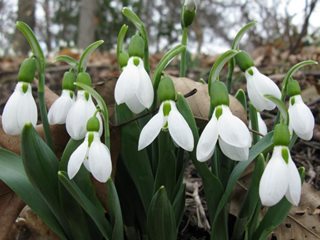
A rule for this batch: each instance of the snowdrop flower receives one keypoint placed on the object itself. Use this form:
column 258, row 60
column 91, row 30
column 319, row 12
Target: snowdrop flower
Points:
column 258, row 85
column 261, row 124
column 301, row 120
column 134, row 86
column 169, row 118
column 81, row 111
column 21, row 107
column 93, row 154
column 233, row 135
column 59, row 110
column 280, row 178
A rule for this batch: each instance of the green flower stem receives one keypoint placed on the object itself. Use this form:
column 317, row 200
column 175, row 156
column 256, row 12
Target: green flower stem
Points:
column 183, row 60
column 230, row 74
column 254, row 123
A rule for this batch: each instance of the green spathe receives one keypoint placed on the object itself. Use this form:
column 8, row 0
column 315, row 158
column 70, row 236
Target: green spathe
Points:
column 166, row 89
column 27, row 70
column 219, row 94
column 68, row 81
column 281, row 135
column 136, row 46
column 244, row 61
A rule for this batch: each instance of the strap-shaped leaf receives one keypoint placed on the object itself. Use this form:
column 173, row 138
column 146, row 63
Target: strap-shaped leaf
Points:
column 120, row 39
column 12, row 174
column 67, row 59
column 161, row 223
column 86, row 54
column 240, row 34
column 281, row 106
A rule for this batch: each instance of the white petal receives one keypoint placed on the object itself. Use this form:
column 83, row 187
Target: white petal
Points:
column 301, row 119
column 274, row 180
column 9, row 115
column 134, row 104
column 99, row 161
column 234, row 153
column 179, row 129
column 294, row 190
column 77, row 117
column 27, row 110
column 232, row 130
column 208, row 140
column 145, row 92
column 59, row 110
column 152, row 129
column 127, row 83
column 262, row 125
column 259, row 85
column 77, row 158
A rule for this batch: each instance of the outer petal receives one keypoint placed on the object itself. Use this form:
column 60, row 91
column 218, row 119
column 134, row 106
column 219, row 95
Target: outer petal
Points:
column 301, row 119
column 59, row 110
column 9, row 115
column 262, row 125
column 208, row 140
column 99, row 161
column 259, row 85
column 77, row 158
column 77, row 117
column 152, row 129
column 27, row 109
column 134, row 104
column 179, row 129
column 294, row 190
column 232, row 130
column 145, row 92
column 274, row 180
column 234, row 153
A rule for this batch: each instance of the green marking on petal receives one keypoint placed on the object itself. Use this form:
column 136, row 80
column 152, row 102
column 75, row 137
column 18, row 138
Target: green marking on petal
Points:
column 71, row 94
column 86, row 95
column 218, row 112
column 285, row 154
column 166, row 108
column 292, row 101
column 250, row 71
column 165, row 126
column 90, row 138
column 25, row 87
column 136, row 61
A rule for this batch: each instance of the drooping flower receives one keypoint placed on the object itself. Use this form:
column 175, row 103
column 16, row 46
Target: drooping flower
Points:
column 20, row 109
column 134, row 86
column 169, row 118
column 93, row 154
column 233, row 135
column 280, row 178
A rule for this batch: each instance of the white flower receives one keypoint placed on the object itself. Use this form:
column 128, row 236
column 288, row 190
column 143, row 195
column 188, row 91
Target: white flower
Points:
column 59, row 110
column 259, row 85
column 79, row 114
column 94, row 155
column 167, row 117
column 280, row 178
column 134, row 86
column 234, row 136
column 19, row 110
column 261, row 124
column 301, row 120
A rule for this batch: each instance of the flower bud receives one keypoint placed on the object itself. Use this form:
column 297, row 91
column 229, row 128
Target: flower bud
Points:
column 188, row 13
column 68, row 79
column 27, row 70
column 219, row 94
column 244, row 61
column 84, row 77
column 93, row 124
column 166, row 89
column 293, row 88
column 123, row 59
column 281, row 135
column 136, row 46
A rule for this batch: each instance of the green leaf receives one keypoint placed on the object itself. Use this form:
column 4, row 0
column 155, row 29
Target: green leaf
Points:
column 264, row 144
column 290, row 73
column 281, row 106
column 179, row 203
column 254, row 123
column 67, row 59
column 240, row 34
column 95, row 213
column 86, row 54
column 251, row 200
column 218, row 65
column 12, row 174
column 114, row 211
column 102, row 105
column 165, row 60
column 241, row 97
column 120, row 40
column 41, row 166
column 161, row 223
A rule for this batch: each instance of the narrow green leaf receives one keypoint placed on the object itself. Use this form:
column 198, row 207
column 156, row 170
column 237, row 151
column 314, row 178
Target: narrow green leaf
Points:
column 102, row 105
column 95, row 213
column 133, row 18
column 240, row 34
column 241, row 97
column 218, row 65
column 67, row 59
column 12, row 174
column 281, row 106
column 161, row 223
column 254, row 123
column 121, row 37
column 114, row 211
column 86, row 54
column 179, row 204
